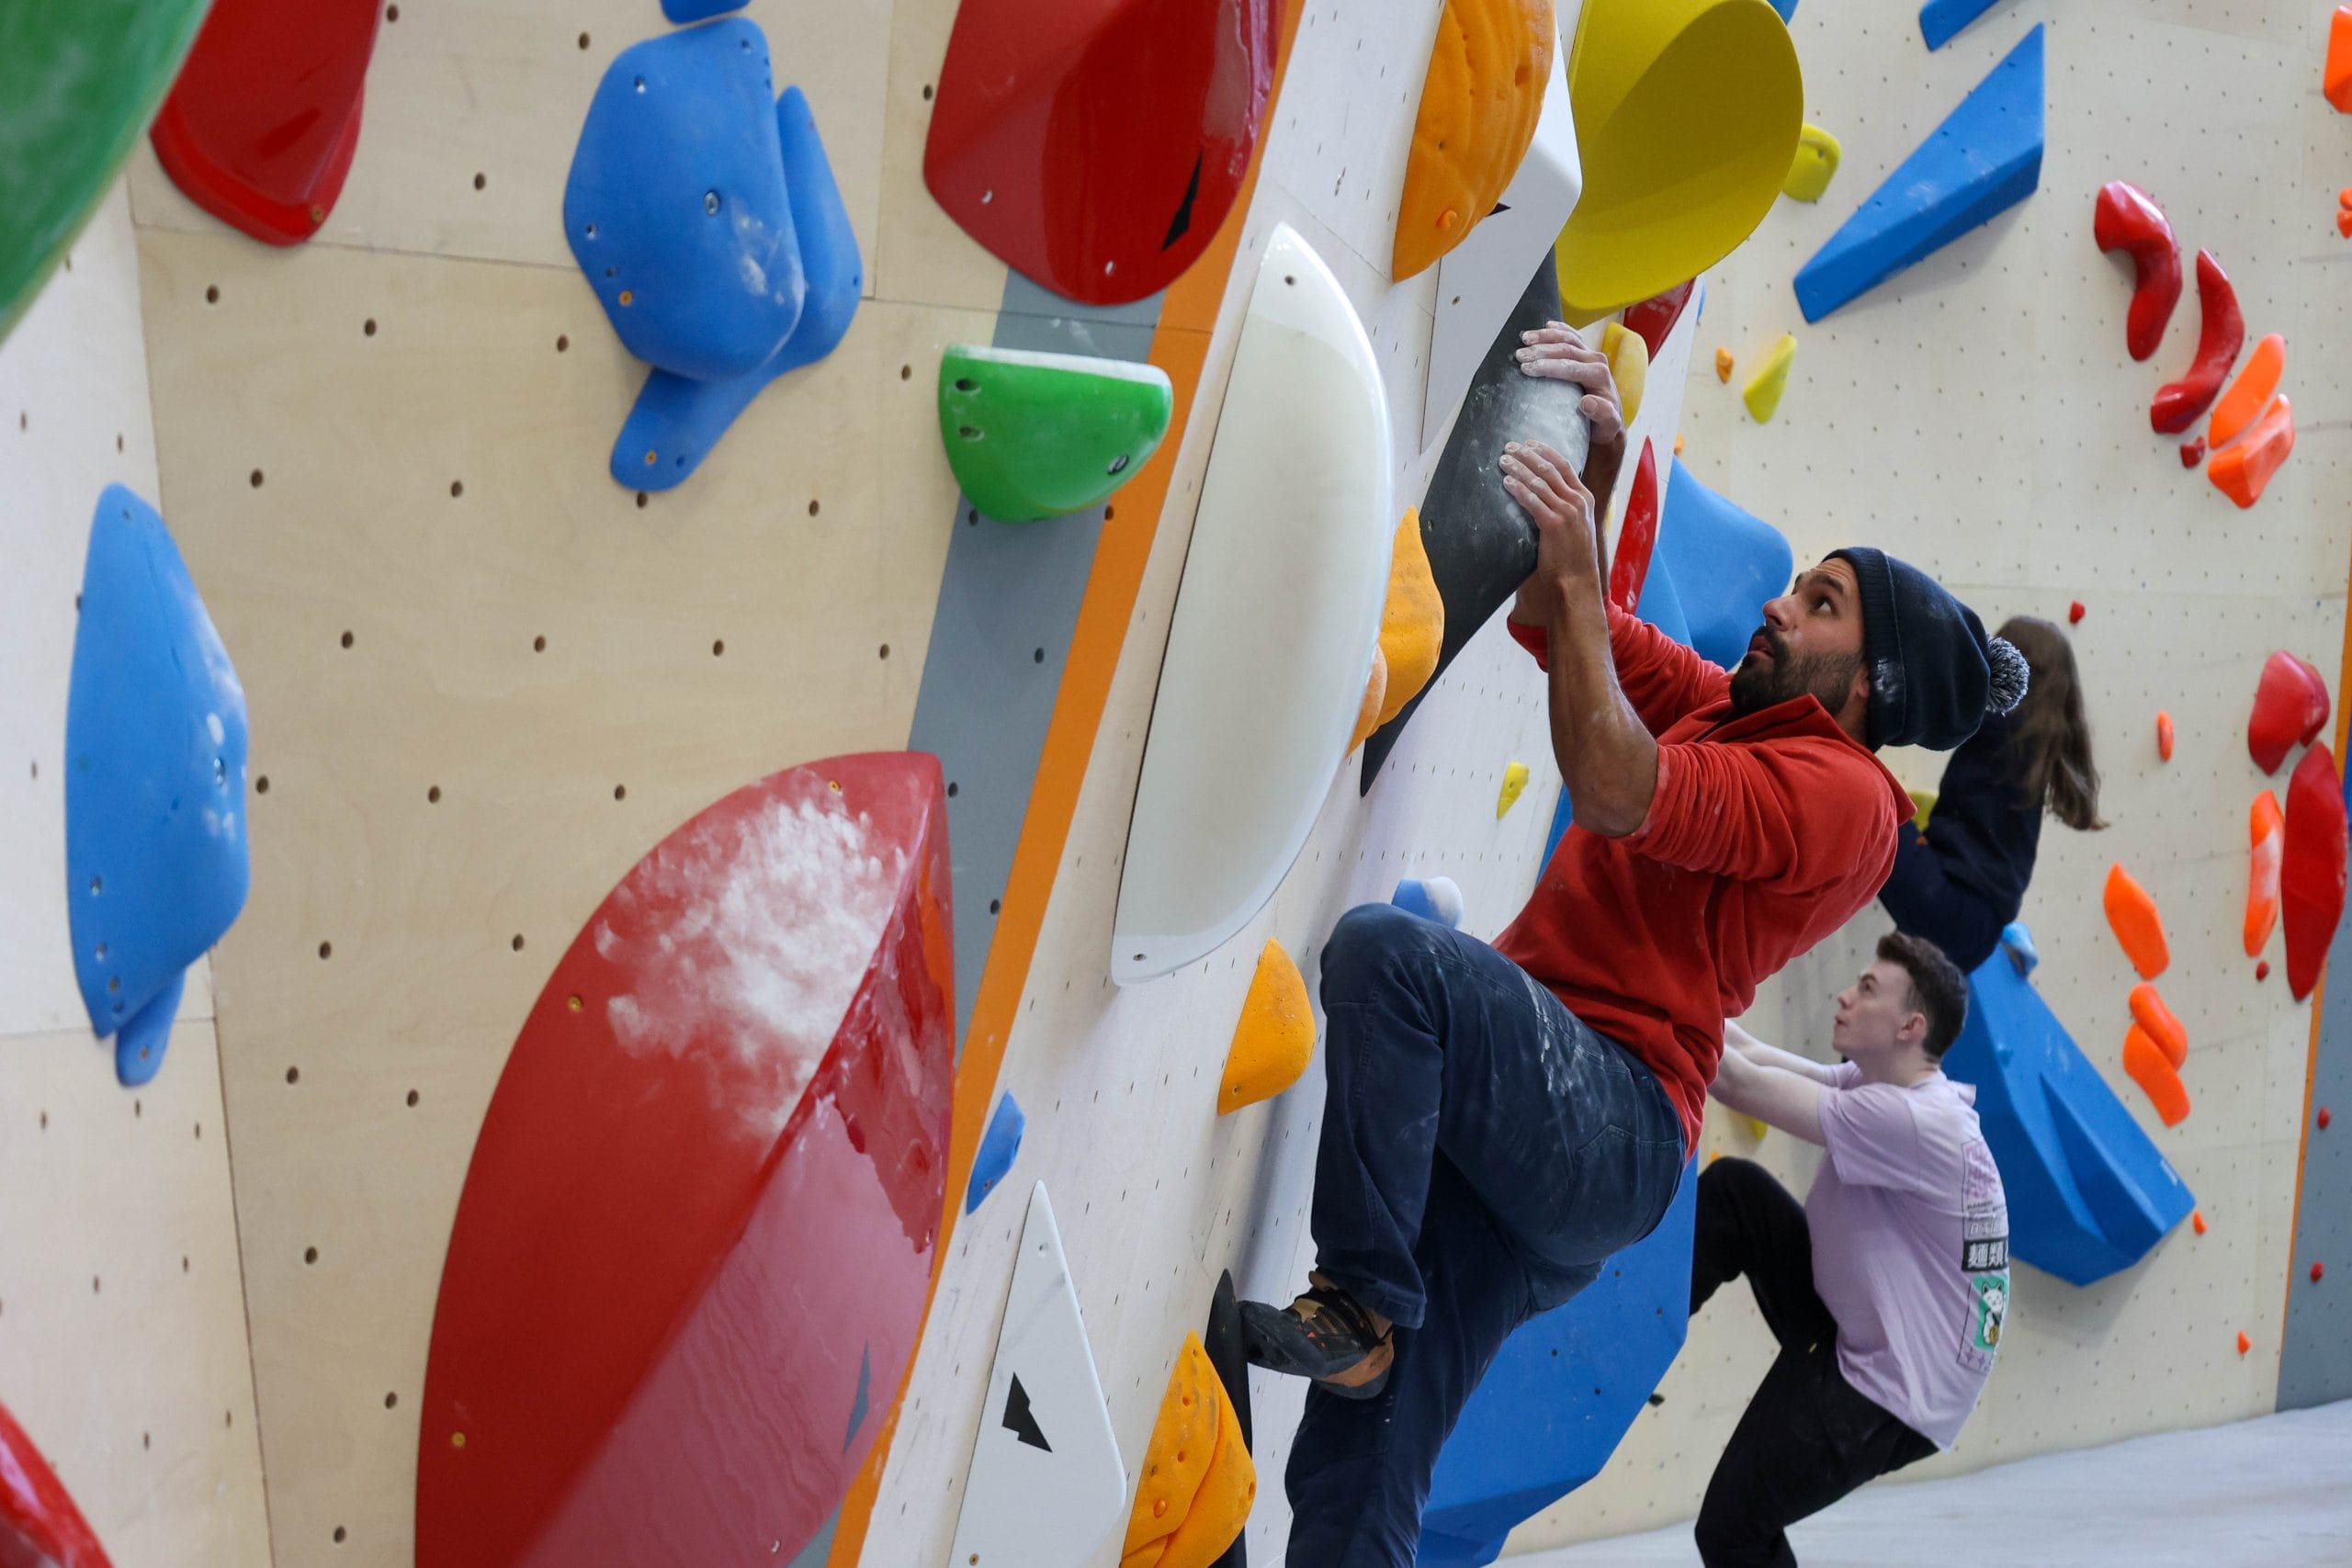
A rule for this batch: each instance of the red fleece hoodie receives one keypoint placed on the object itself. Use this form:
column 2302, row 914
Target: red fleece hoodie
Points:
column 1766, row 834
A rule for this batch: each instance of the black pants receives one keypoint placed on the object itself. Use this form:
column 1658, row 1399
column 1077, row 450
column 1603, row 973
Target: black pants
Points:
column 1807, row 1437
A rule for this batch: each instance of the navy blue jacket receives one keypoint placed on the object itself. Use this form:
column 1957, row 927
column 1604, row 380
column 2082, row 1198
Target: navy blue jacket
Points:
column 1963, row 879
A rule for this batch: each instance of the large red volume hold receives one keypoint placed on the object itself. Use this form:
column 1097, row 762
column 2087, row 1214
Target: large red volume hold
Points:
column 1630, row 568
column 40, row 1525
column 260, row 128
column 1096, row 146
column 2127, row 219
column 2219, row 337
column 695, row 1241
column 2310, row 875
column 2289, row 707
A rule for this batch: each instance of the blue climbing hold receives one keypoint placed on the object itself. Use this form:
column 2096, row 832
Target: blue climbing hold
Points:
column 676, row 208
column 1661, row 602
column 1983, row 159
column 155, row 853
column 2018, row 943
column 1722, row 564
column 1939, row 19
column 685, row 11
column 1435, row 898
column 1788, row 9
column 2088, row 1193
column 998, row 1145
column 145, row 1035
column 678, row 419
column 1562, row 1393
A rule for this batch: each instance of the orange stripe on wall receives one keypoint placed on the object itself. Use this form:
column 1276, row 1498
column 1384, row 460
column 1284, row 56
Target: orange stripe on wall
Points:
column 1180, row 346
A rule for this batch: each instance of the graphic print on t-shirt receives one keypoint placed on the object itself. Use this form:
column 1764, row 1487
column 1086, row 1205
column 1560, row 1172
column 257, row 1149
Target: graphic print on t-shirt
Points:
column 1983, row 1254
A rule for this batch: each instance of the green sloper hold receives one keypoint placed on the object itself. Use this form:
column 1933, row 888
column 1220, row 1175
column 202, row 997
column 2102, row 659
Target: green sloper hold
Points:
column 79, row 80
column 1035, row 435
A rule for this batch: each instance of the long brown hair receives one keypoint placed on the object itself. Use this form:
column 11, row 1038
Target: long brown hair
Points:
column 2052, row 739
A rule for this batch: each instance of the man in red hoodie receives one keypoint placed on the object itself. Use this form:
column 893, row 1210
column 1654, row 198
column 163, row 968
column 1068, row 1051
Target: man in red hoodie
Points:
column 1501, row 1118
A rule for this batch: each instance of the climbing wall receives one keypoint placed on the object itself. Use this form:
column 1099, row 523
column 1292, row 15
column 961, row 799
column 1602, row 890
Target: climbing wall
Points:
column 1978, row 415
column 122, row 1330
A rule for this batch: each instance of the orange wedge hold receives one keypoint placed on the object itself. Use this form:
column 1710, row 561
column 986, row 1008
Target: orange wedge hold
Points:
column 2267, row 838
column 2137, row 926
column 1488, row 73
column 2249, row 393
column 2159, row 1023
column 2240, row 472
column 2146, row 1061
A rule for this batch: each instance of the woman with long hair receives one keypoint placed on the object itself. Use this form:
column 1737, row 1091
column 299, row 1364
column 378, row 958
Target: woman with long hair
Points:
column 1963, row 878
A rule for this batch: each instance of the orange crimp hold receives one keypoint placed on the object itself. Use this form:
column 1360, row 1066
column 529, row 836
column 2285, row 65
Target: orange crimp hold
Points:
column 2336, row 76
column 2196, row 1218
column 2146, row 1061
column 2137, row 926
column 2240, row 472
column 1198, row 1480
column 2159, row 1023
column 2243, row 1343
column 2164, row 735
column 2249, row 393
column 1488, row 71
column 1723, row 362
column 2266, row 842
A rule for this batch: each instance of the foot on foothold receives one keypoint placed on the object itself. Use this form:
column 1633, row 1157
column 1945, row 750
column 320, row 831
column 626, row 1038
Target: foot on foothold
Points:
column 1326, row 1334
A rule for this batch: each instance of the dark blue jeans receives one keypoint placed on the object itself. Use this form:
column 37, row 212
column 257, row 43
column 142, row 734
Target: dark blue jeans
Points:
column 1484, row 1152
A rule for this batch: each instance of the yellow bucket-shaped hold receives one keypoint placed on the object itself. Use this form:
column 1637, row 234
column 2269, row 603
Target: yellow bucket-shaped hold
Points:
column 1687, row 119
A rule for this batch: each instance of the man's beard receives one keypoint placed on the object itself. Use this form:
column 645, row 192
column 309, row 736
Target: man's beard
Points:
column 1825, row 676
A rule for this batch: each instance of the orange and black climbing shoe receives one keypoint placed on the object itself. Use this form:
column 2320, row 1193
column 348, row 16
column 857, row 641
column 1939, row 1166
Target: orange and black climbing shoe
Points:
column 1325, row 1335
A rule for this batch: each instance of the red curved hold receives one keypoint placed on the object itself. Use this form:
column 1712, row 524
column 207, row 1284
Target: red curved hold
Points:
column 1637, row 536
column 2127, row 219
column 695, row 1243
column 261, row 126
column 1096, row 146
column 2219, row 337
column 1652, row 318
column 40, row 1525
column 2310, row 875
column 2291, row 706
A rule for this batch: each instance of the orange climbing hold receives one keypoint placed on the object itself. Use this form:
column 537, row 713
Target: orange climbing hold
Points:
column 1723, row 362
column 1198, row 1479
column 2243, row 1343
column 2240, row 472
column 1274, row 1040
column 1489, row 70
column 2266, row 840
column 2158, row 1023
column 2132, row 914
column 2146, row 1061
column 1376, row 691
column 2196, row 1218
column 1413, row 624
column 2164, row 735
column 2335, row 76
column 2250, row 393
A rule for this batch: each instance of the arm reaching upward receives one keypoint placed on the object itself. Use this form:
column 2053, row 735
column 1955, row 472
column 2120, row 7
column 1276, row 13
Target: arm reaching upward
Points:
column 1788, row 1100
column 1757, row 1051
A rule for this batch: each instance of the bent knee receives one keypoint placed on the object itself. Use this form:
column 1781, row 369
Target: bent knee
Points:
column 1369, row 941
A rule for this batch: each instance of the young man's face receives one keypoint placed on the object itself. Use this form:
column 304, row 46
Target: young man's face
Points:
column 1810, row 643
column 1877, row 1014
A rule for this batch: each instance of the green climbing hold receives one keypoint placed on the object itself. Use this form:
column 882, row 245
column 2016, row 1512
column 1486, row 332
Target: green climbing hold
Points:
column 1035, row 436
column 78, row 82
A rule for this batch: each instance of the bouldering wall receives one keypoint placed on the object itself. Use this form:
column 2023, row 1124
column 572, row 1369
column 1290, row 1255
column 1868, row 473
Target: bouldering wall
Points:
column 122, row 1310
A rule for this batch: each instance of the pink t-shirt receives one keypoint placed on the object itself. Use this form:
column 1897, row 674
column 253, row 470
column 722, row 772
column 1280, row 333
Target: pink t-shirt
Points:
column 1911, row 1247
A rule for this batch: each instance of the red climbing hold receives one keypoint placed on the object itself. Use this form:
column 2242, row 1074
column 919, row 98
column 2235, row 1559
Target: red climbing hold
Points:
column 2262, row 970
column 2310, row 877
column 2324, row 1117
column 2289, row 707
column 2074, row 614
column 260, row 128
column 40, row 1525
column 2193, row 453
column 2127, row 218
column 2317, row 1270
column 2219, row 338
column 1636, row 536
column 1650, row 320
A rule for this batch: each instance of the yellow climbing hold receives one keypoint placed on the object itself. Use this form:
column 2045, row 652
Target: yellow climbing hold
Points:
column 1924, row 802
column 1274, row 1040
column 1629, row 364
column 1757, row 1127
column 1816, row 161
column 1514, row 781
column 1375, row 690
column 1412, row 625
column 1723, row 364
column 1763, row 393
column 1678, row 443
column 1488, row 69
column 1198, row 1480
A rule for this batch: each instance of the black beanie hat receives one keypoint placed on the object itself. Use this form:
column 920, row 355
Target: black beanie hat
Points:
column 1934, row 673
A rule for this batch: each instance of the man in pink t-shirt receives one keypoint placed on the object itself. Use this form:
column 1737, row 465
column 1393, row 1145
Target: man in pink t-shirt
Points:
column 1887, row 1288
